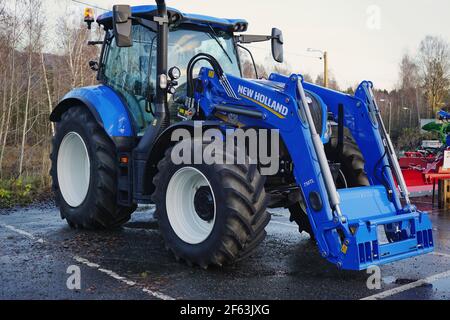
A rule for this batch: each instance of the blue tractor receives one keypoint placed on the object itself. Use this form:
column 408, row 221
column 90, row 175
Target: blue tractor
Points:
column 162, row 71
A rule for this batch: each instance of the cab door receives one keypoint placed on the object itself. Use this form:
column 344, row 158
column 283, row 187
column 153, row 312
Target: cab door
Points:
column 131, row 72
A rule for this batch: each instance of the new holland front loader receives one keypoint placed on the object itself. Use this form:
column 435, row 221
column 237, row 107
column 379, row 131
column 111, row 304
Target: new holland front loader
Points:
column 162, row 70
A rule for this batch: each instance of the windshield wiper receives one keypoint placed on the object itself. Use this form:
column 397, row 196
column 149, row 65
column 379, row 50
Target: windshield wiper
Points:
column 213, row 35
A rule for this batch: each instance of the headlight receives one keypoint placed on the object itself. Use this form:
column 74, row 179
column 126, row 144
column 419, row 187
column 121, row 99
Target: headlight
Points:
column 174, row 73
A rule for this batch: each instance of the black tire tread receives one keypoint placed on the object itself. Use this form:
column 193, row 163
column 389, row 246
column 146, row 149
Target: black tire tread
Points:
column 352, row 160
column 247, row 214
column 104, row 213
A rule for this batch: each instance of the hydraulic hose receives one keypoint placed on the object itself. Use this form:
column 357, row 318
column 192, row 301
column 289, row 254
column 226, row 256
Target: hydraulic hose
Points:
column 190, row 76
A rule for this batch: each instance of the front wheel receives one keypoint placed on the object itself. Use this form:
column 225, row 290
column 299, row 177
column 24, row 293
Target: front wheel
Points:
column 210, row 214
column 84, row 173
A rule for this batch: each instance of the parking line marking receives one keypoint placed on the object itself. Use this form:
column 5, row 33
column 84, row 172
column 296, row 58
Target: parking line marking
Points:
column 114, row 275
column 381, row 295
column 406, row 287
column 441, row 254
column 96, row 266
column 21, row 232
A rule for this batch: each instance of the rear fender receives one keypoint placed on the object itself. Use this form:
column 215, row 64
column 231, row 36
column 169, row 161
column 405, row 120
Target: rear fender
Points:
column 106, row 106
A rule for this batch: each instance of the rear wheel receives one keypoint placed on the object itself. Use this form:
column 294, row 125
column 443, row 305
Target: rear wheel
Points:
column 84, row 173
column 351, row 173
column 352, row 162
column 210, row 214
column 300, row 217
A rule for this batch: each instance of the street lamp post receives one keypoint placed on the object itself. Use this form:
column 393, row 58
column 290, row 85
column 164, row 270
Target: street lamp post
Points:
column 325, row 69
column 410, row 117
column 390, row 116
column 324, row 57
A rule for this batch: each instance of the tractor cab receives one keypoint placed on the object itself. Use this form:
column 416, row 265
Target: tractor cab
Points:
column 132, row 70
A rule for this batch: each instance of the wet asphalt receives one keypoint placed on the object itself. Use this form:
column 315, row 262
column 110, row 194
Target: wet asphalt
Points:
column 37, row 248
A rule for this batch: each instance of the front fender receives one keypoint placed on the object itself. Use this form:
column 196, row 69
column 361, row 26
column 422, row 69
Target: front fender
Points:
column 105, row 105
column 157, row 149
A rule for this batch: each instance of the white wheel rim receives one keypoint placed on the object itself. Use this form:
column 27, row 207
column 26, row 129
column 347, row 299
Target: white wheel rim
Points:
column 183, row 218
column 74, row 169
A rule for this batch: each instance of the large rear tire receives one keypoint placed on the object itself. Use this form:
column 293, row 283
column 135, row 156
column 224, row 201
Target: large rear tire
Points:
column 210, row 214
column 351, row 160
column 84, row 173
column 351, row 174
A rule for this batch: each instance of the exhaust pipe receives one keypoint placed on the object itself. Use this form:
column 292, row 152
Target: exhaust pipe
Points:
column 162, row 9
column 162, row 116
column 162, row 111
column 141, row 153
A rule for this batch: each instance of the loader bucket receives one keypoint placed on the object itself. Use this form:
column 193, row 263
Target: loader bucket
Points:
column 380, row 233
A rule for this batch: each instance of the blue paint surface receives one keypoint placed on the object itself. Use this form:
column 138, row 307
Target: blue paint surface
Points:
column 186, row 17
column 365, row 208
column 109, row 106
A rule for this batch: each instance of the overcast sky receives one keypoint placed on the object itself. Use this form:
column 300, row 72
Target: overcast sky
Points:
column 365, row 39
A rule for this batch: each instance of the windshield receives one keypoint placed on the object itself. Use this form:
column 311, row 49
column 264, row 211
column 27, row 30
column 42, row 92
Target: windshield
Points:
column 132, row 71
column 184, row 44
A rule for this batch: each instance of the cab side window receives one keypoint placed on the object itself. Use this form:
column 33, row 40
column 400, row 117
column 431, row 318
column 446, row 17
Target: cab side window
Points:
column 132, row 73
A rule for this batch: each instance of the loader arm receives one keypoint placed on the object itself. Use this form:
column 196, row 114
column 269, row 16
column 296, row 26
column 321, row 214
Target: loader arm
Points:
column 345, row 222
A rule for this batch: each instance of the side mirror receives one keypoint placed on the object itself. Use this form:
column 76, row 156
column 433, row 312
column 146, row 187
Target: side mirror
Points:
column 277, row 45
column 122, row 25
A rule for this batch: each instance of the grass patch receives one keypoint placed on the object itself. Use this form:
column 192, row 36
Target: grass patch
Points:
column 22, row 192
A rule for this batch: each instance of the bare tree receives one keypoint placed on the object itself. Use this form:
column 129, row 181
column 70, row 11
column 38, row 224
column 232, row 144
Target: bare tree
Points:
column 3, row 14
column 47, row 90
column 11, row 41
column 409, row 72
column 332, row 82
column 308, row 78
column 282, row 68
column 77, row 53
column 409, row 86
column 434, row 58
column 34, row 30
column 248, row 66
